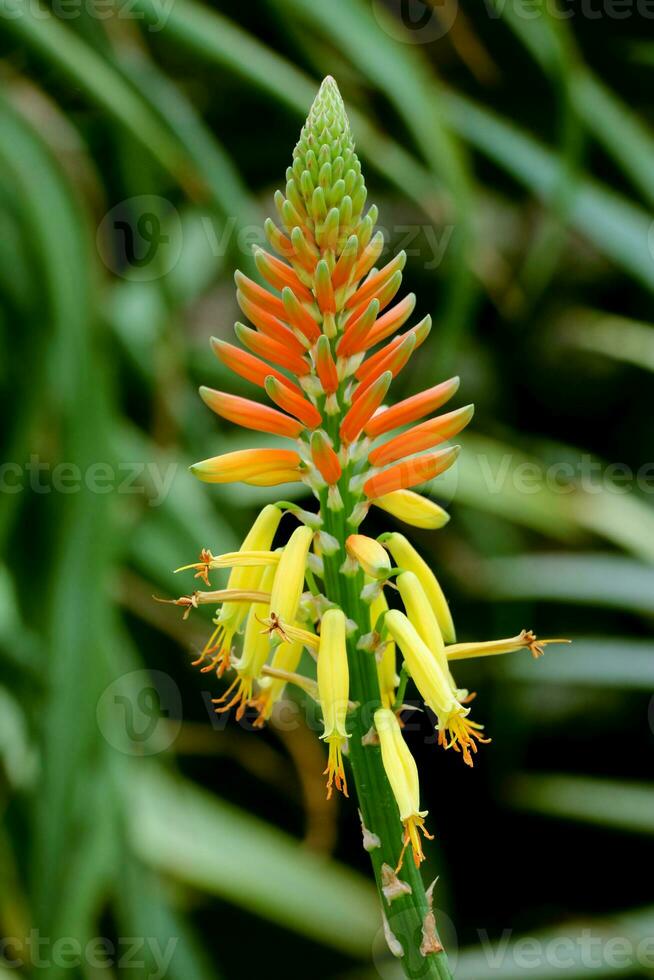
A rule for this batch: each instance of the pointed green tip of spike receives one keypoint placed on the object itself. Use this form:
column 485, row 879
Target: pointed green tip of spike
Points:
column 328, row 110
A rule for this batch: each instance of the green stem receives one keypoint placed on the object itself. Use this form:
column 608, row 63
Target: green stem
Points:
column 406, row 913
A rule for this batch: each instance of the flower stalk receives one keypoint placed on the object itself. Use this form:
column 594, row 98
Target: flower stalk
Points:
column 321, row 347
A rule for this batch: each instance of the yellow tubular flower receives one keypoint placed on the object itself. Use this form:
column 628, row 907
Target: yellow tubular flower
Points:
column 334, row 691
column 387, row 659
column 407, row 558
column 286, row 658
column 231, row 616
column 372, row 557
column 256, row 646
column 231, row 559
column 289, row 580
column 435, row 688
column 402, row 774
column 422, row 616
column 413, row 509
column 526, row 640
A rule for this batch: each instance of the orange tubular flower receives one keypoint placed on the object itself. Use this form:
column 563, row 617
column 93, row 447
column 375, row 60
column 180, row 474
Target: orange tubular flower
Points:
column 259, row 467
column 424, row 436
column 325, row 366
column 412, row 409
column 391, row 321
column 384, row 295
column 324, row 288
column 365, row 407
column 266, row 347
column 278, row 240
column 247, row 366
column 410, row 472
column 298, row 316
column 250, row 415
column 345, row 265
column 357, row 331
column 373, row 365
column 279, row 275
column 325, row 458
column 293, row 402
column 376, row 283
column 369, row 256
column 257, row 294
column 394, row 360
column 269, row 324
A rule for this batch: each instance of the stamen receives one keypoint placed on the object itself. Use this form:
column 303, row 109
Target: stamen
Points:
column 335, row 770
column 464, row 735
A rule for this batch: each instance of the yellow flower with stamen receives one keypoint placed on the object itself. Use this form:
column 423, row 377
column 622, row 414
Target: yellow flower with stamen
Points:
column 372, row 557
column 334, row 691
column 289, row 579
column 386, row 656
column 232, row 559
column 421, row 614
column 231, row 617
column 455, row 730
column 526, row 640
column 256, row 647
column 286, row 659
column 407, row 558
column 292, row 634
column 402, row 773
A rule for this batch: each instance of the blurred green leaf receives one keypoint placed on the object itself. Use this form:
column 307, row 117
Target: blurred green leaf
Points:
column 596, row 579
column 57, row 44
column 618, row 228
column 613, row 803
column 592, row 662
column 203, row 842
column 617, row 337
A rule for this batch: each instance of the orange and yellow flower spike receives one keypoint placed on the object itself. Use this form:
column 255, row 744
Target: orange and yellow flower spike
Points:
column 324, row 345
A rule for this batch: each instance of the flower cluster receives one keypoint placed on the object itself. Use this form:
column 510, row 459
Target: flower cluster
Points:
column 324, row 346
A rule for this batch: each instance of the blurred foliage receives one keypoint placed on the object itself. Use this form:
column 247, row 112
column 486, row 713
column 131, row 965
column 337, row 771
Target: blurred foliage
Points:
column 511, row 152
